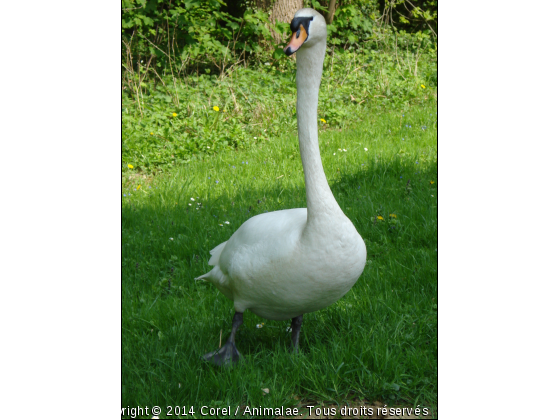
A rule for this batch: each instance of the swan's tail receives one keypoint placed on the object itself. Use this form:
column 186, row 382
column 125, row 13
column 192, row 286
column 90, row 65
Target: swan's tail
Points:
column 214, row 259
column 216, row 276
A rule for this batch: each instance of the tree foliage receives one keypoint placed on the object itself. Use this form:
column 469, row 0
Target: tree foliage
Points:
column 192, row 31
column 410, row 15
column 181, row 35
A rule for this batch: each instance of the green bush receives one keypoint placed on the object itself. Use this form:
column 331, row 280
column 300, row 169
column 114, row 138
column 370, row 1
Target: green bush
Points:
column 179, row 37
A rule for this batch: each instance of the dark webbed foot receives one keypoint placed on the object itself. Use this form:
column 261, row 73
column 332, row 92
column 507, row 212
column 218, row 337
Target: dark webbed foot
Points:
column 296, row 327
column 224, row 356
column 228, row 353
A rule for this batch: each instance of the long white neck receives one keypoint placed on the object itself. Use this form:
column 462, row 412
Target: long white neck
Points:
column 321, row 203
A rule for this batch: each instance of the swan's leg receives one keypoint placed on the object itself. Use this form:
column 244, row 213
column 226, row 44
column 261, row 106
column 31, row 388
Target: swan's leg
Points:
column 228, row 353
column 296, row 326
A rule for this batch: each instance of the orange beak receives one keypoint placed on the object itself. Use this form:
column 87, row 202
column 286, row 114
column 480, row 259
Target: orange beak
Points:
column 298, row 38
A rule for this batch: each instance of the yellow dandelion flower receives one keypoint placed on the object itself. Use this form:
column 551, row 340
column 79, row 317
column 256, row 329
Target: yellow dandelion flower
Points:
column 216, row 109
column 423, row 87
column 323, row 120
column 174, row 115
column 393, row 215
column 130, row 166
column 380, row 218
column 138, row 187
column 151, row 134
column 431, row 182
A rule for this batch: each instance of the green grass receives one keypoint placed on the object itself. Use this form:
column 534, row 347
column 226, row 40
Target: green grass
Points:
column 258, row 103
column 379, row 342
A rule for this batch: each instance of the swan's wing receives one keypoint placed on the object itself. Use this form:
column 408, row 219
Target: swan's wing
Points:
column 263, row 240
column 262, row 246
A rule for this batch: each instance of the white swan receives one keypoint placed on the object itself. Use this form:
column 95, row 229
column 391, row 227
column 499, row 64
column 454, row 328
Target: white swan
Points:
column 283, row 264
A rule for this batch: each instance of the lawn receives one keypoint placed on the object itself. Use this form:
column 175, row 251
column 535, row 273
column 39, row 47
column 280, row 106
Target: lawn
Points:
column 377, row 343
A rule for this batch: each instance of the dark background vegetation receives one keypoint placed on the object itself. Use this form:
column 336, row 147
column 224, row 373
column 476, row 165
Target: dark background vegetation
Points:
column 197, row 33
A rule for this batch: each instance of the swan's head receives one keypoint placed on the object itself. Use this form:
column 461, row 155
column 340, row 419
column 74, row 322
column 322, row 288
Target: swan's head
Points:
column 308, row 28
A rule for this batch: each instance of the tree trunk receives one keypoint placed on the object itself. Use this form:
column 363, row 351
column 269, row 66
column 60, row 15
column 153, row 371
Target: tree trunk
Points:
column 330, row 14
column 283, row 11
column 263, row 4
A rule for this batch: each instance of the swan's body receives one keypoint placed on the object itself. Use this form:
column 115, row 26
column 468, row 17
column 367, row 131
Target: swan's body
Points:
column 283, row 264
column 278, row 268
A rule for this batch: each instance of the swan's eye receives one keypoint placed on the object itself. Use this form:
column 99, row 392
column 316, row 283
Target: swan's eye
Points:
column 298, row 32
